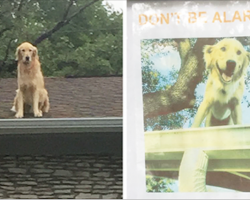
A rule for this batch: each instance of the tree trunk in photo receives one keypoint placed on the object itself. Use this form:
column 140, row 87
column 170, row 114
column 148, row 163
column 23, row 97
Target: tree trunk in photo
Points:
column 181, row 94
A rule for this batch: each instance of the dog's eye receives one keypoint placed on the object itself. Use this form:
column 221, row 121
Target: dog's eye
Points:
column 23, row 50
column 238, row 52
column 223, row 48
column 30, row 50
column 209, row 50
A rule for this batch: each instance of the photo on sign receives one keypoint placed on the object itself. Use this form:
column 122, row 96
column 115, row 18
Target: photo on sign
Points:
column 195, row 82
column 190, row 83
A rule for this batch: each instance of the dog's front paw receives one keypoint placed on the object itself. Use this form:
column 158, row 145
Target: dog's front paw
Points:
column 19, row 115
column 38, row 114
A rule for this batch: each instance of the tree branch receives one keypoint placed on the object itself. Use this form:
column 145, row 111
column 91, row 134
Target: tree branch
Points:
column 81, row 9
column 184, row 48
column 61, row 24
column 67, row 10
column 20, row 5
column 181, row 94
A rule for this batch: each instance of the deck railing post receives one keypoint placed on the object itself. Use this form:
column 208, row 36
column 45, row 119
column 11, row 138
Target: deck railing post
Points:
column 192, row 173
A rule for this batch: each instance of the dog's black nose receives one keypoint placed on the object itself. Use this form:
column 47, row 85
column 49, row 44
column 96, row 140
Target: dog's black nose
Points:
column 230, row 66
column 27, row 58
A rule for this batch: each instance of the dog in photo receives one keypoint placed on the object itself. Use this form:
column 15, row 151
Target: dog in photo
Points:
column 31, row 90
column 227, row 63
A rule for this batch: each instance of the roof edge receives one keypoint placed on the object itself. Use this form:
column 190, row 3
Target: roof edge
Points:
column 60, row 125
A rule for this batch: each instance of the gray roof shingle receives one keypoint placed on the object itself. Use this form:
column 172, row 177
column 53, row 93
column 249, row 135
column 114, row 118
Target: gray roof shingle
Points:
column 72, row 97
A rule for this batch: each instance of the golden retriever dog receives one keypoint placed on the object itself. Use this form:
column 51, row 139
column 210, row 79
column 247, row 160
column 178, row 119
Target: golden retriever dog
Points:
column 227, row 63
column 31, row 91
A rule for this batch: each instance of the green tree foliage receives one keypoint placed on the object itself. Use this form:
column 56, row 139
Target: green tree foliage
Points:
column 158, row 184
column 74, row 37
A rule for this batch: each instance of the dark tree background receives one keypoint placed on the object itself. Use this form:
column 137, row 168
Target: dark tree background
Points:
column 74, row 37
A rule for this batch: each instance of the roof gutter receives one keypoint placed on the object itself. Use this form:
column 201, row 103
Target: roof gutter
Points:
column 55, row 136
column 60, row 125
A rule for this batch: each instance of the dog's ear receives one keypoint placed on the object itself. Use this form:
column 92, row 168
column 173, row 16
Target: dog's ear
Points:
column 246, row 63
column 17, row 54
column 35, row 52
column 207, row 51
column 247, row 60
column 248, row 55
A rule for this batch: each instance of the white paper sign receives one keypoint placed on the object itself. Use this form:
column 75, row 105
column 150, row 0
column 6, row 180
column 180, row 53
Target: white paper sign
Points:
column 175, row 50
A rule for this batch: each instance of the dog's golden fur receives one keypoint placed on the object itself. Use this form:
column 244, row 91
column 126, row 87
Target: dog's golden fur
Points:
column 227, row 63
column 31, row 91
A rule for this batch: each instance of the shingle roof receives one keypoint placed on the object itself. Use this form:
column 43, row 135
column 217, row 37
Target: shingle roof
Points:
column 61, row 177
column 72, row 97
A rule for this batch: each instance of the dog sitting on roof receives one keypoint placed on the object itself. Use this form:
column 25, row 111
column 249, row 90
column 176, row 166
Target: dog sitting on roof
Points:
column 31, row 91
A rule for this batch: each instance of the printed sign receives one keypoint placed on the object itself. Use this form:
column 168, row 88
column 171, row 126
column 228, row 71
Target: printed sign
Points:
column 192, row 60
